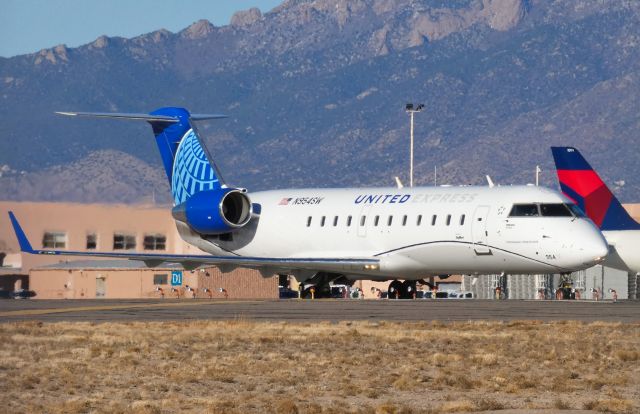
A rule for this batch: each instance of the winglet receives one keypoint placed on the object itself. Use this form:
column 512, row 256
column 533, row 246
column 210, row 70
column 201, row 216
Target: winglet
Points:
column 25, row 246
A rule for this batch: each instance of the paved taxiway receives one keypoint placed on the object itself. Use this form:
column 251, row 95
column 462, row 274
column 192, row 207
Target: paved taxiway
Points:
column 319, row 310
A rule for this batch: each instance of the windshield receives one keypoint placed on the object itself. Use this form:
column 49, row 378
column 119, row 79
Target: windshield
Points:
column 546, row 210
column 524, row 210
column 555, row 210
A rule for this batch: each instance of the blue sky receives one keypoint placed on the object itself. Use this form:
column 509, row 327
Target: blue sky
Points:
column 27, row 26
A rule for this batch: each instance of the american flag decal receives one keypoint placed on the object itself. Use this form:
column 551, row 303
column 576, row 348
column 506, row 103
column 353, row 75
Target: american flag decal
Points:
column 284, row 202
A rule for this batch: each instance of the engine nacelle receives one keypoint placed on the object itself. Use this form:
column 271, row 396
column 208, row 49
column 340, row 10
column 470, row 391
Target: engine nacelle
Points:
column 215, row 211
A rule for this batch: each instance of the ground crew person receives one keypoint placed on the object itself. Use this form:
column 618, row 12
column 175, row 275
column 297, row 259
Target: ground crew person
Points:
column 614, row 294
column 313, row 292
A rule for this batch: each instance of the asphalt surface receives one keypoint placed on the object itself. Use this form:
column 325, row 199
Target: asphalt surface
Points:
column 294, row 310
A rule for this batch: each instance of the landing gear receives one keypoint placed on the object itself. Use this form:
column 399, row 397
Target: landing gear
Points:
column 320, row 283
column 402, row 290
column 565, row 288
column 395, row 290
column 409, row 289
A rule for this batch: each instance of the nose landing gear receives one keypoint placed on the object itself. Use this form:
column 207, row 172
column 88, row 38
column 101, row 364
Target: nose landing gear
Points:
column 565, row 288
column 402, row 290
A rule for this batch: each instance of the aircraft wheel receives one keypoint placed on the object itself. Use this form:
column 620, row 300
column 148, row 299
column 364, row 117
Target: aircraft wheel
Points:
column 395, row 290
column 408, row 289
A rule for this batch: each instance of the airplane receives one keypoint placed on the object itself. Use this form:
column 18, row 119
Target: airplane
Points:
column 583, row 185
column 319, row 235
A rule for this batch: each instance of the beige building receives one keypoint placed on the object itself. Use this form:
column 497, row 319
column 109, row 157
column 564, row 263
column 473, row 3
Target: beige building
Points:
column 98, row 227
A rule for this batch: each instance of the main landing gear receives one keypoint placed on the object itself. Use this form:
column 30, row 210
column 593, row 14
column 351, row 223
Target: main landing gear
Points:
column 402, row 290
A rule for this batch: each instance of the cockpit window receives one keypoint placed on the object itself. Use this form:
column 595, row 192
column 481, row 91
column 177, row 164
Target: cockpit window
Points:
column 555, row 210
column 524, row 210
column 577, row 211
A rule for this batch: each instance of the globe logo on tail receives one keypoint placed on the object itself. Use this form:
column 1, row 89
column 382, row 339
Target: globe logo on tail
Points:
column 192, row 171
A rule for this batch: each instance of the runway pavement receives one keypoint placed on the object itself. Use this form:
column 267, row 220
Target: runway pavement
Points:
column 294, row 310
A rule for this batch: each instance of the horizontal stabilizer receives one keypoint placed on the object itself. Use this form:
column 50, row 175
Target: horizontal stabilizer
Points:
column 142, row 117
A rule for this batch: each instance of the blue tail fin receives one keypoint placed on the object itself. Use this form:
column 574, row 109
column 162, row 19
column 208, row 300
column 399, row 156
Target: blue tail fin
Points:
column 187, row 163
column 582, row 184
column 189, row 167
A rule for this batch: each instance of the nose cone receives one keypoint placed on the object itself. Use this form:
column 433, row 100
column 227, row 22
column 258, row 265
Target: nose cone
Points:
column 594, row 248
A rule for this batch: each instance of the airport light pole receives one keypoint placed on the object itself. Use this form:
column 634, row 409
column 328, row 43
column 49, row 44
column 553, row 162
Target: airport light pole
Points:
column 411, row 109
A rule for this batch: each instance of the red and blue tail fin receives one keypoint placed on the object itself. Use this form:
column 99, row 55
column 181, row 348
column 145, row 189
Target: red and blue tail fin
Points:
column 582, row 184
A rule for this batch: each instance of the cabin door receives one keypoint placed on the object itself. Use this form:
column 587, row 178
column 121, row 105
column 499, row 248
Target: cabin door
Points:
column 479, row 230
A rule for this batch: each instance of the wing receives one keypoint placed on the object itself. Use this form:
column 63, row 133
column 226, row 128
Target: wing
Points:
column 195, row 261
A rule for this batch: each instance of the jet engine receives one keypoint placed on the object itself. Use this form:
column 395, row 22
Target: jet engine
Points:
column 215, row 211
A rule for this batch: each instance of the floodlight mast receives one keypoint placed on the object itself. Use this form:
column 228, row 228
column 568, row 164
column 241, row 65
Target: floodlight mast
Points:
column 411, row 109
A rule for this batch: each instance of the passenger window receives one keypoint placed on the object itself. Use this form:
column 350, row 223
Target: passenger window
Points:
column 524, row 210
column 389, row 220
column 433, row 220
column 349, row 221
column 363, row 220
column 462, row 220
column 309, row 221
column 335, row 221
column 322, row 220
column 555, row 210
column 419, row 220
column 376, row 220
column 448, row 219
column 404, row 220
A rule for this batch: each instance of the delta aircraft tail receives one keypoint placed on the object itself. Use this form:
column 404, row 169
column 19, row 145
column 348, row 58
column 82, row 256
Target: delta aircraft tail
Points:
column 582, row 184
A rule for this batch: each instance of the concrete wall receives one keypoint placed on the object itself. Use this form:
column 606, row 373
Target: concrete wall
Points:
column 239, row 284
column 138, row 283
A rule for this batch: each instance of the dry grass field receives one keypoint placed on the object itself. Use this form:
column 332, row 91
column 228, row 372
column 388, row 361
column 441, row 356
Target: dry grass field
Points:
column 243, row 366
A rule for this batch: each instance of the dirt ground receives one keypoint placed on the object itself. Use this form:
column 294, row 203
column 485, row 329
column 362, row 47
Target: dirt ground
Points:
column 244, row 366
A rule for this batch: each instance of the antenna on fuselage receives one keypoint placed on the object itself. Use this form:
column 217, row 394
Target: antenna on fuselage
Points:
column 398, row 182
column 490, row 182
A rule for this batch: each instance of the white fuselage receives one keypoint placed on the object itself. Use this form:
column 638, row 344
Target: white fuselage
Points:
column 414, row 232
column 625, row 249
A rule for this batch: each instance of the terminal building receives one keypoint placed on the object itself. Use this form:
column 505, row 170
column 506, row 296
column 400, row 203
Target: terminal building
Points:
column 107, row 227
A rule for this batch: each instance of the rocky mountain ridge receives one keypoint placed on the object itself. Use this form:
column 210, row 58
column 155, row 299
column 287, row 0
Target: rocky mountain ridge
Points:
column 315, row 90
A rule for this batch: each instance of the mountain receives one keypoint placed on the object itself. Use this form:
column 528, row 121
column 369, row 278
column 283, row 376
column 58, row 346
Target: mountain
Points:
column 315, row 91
